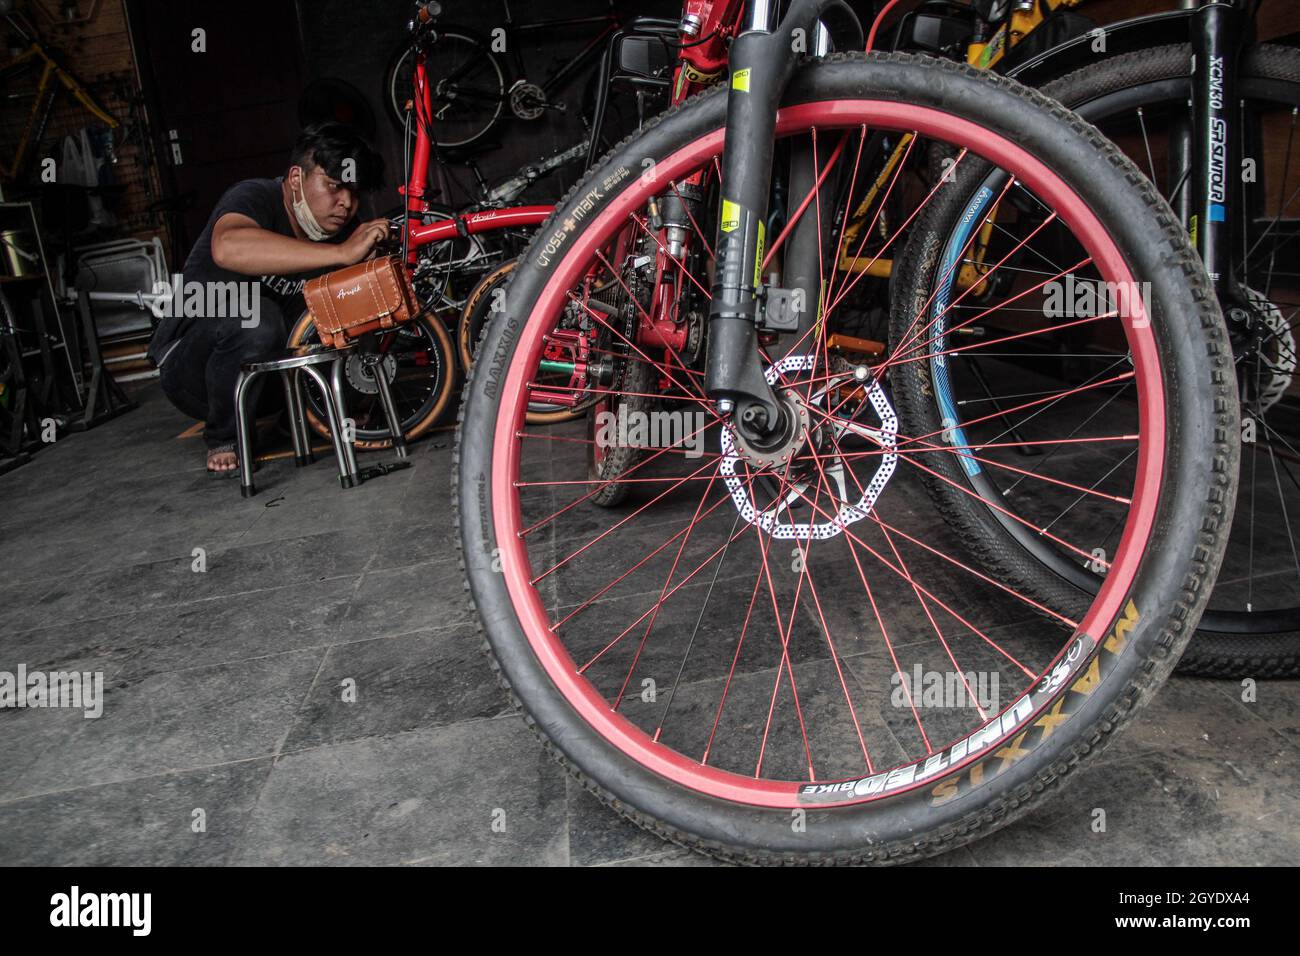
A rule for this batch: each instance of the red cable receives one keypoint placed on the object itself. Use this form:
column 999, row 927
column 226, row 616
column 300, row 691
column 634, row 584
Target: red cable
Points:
column 875, row 25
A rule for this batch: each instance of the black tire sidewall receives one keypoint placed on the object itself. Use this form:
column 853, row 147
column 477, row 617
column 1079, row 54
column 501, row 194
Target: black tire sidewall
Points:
column 1168, row 590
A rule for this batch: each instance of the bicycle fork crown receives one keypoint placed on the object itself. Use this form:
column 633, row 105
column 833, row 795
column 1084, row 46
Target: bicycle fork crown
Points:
column 816, row 477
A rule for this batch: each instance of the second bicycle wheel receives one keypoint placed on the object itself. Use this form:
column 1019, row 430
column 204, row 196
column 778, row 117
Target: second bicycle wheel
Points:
column 421, row 372
column 1252, row 625
column 788, row 656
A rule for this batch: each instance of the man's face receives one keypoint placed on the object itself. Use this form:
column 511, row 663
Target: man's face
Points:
column 331, row 201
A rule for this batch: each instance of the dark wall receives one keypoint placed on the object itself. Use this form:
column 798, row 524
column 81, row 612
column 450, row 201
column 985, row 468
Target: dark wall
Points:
column 233, row 105
column 339, row 43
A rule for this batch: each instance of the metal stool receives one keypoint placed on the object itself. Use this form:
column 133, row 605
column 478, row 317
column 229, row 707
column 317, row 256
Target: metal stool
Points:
column 291, row 364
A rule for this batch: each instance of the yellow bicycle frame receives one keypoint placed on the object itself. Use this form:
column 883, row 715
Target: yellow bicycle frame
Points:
column 982, row 56
column 50, row 71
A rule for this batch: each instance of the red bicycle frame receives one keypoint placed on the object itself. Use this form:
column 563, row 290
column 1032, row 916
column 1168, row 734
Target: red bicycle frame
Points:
column 420, row 233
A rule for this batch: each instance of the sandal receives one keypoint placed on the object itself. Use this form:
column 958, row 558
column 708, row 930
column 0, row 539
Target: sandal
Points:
column 222, row 472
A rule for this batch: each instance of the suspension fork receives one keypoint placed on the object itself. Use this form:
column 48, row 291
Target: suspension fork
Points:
column 1215, row 170
column 762, row 60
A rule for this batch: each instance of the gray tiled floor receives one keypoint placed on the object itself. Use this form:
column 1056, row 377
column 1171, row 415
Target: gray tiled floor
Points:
column 318, row 694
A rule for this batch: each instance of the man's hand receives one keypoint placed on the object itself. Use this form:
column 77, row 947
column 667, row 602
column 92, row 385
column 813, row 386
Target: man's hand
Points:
column 362, row 241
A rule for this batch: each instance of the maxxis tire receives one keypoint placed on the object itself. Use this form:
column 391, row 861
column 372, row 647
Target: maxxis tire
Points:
column 1174, row 574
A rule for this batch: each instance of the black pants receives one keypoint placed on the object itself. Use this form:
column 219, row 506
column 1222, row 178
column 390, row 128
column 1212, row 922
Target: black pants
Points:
column 199, row 375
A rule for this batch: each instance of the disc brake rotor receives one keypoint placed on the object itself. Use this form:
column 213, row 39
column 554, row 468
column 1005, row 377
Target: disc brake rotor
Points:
column 360, row 379
column 1275, row 349
column 850, row 502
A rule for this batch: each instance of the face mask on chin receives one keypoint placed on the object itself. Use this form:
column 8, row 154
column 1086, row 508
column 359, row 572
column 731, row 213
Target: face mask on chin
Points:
column 306, row 218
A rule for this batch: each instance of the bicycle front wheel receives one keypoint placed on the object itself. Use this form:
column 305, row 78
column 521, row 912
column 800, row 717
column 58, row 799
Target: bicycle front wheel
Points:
column 792, row 660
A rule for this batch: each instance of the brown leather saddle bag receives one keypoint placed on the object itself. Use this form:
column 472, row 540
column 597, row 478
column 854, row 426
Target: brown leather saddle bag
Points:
column 369, row 296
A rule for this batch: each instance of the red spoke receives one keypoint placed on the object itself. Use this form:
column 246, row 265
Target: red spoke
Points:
column 983, row 577
column 998, row 341
column 930, row 617
column 912, row 581
column 839, row 670
column 912, row 345
column 889, row 645
column 909, row 337
column 901, row 229
column 608, row 587
column 1088, row 555
column 877, row 452
column 620, row 523
column 807, row 574
column 905, row 456
column 871, row 228
column 816, row 190
column 1123, row 376
column 677, row 587
column 848, row 214
column 636, row 657
column 637, row 467
column 1019, row 471
column 783, row 633
column 667, row 255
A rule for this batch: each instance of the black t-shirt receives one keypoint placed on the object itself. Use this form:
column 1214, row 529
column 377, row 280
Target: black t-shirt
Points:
column 261, row 200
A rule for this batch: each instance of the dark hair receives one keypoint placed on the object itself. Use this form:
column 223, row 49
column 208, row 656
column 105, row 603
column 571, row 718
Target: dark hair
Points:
column 327, row 145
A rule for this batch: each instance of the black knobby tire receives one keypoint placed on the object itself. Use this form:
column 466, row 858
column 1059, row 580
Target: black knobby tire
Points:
column 1187, row 534
column 1147, row 75
column 1266, row 71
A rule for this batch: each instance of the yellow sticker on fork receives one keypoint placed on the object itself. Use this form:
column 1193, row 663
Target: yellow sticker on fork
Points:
column 758, row 255
column 730, row 216
column 740, row 80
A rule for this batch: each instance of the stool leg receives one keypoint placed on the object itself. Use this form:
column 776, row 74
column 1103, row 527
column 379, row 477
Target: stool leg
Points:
column 390, row 409
column 303, row 431
column 243, row 440
column 295, row 432
column 337, row 377
column 346, row 478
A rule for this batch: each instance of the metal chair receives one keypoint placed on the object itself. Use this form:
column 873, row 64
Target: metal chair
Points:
column 291, row 364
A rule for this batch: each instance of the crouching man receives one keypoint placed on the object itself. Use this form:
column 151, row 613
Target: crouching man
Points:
column 267, row 237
